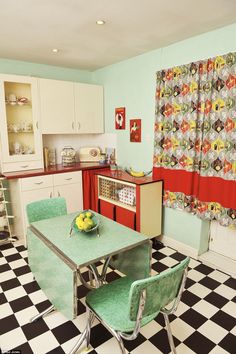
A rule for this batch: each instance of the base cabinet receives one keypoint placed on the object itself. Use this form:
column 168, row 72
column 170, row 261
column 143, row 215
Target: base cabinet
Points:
column 27, row 190
column 132, row 202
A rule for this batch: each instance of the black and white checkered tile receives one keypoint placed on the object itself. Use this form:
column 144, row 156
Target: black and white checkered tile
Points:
column 204, row 322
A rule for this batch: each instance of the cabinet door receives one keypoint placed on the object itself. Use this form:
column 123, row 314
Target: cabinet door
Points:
column 125, row 217
column 73, row 195
column 19, row 118
column 57, row 106
column 107, row 209
column 69, row 186
column 30, row 196
column 89, row 108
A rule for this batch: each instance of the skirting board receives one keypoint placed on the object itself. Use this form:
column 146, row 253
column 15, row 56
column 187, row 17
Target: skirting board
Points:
column 179, row 246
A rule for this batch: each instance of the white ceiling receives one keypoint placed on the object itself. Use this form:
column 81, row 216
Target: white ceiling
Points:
column 29, row 29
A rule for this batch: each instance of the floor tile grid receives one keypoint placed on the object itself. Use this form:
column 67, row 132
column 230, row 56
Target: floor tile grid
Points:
column 205, row 314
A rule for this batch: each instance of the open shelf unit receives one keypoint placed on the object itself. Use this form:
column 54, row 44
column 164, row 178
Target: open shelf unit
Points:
column 5, row 229
column 130, row 201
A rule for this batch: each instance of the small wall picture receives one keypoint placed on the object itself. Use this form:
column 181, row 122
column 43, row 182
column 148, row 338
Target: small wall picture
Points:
column 120, row 118
column 135, row 130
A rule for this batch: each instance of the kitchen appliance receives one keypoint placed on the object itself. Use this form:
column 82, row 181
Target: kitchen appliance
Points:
column 89, row 154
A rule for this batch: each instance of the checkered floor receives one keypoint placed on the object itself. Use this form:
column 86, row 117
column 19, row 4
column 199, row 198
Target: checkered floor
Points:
column 204, row 322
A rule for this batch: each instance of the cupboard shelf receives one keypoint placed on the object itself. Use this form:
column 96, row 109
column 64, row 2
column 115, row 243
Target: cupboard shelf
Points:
column 21, row 132
column 116, row 202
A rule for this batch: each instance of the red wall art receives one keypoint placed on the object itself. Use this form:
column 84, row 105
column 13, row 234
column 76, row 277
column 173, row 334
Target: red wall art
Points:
column 135, row 130
column 120, row 118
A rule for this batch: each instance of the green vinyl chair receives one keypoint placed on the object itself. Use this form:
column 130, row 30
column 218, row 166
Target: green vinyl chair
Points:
column 40, row 210
column 46, row 209
column 124, row 306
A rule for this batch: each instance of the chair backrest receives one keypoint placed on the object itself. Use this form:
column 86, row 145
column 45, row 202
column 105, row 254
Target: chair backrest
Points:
column 46, row 209
column 161, row 290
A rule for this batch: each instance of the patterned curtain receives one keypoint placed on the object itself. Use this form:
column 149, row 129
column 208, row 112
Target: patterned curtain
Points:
column 195, row 137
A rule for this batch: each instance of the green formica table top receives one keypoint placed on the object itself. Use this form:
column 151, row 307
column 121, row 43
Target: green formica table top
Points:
column 81, row 249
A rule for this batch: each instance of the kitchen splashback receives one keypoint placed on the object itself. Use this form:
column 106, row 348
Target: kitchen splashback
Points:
column 78, row 141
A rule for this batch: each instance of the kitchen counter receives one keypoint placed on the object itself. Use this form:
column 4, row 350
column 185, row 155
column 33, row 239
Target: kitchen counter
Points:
column 126, row 177
column 55, row 169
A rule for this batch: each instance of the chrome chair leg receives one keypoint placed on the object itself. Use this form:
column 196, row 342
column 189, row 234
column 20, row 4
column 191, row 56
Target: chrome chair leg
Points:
column 85, row 335
column 43, row 313
column 119, row 340
column 169, row 333
column 89, row 324
column 79, row 342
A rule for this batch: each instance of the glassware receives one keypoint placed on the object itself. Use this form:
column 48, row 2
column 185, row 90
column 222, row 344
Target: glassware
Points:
column 68, row 156
column 52, row 157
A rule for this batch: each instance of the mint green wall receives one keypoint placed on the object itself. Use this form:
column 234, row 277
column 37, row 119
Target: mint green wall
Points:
column 17, row 67
column 187, row 229
column 131, row 84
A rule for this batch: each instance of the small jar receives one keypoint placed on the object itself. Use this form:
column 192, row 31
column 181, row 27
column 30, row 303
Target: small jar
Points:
column 102, row 159
column 52, row 157
column 68, row 156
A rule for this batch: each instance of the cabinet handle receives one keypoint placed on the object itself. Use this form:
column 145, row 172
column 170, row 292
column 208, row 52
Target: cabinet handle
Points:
column 37, row 125
column 58, row 193
column 38, row 182
column 68, row 179
column 50, row 195
column 73, row 125
column 78, row 125
column 24, row 166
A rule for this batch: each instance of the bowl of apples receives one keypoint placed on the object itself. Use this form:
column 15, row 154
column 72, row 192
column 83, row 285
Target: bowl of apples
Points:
column 86, row 221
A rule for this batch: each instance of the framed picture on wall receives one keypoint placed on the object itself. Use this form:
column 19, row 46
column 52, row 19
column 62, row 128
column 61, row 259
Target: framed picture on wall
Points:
column 135, row 130
column 120, row 118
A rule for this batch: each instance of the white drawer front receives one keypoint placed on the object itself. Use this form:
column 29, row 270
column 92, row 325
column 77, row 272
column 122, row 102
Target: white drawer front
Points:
column 67, row 178
column 21, row 166
column 37, row 182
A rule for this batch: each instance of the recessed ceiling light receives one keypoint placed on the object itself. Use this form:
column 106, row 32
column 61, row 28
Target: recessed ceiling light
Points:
column 55, row 50
column 100, row 22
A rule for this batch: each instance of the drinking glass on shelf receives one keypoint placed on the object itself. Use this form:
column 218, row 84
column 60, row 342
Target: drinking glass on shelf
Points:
column 17, row 148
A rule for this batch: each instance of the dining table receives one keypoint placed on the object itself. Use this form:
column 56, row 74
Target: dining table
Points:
column 58, row 253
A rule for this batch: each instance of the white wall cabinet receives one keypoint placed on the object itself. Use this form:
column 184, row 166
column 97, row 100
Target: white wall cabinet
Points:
column 70, row 108
column 26, row 190
column 89, row 108
column 57, row 106
column 21, row 140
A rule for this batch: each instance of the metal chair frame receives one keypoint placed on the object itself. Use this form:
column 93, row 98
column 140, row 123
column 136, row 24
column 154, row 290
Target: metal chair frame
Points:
column 91, row 315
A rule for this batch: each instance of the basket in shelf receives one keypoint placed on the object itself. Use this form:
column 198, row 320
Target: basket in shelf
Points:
column 117, row 191
column 127, row 195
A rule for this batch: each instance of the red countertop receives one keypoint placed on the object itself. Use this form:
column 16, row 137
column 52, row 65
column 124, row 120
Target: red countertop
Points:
column 125, row 176
column 54, row 169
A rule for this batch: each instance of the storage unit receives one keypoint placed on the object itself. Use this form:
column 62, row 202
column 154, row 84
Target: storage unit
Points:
column 30, row 189
column 21, row 143
column 5, row 229
column 133, row 202
column 70, row 107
